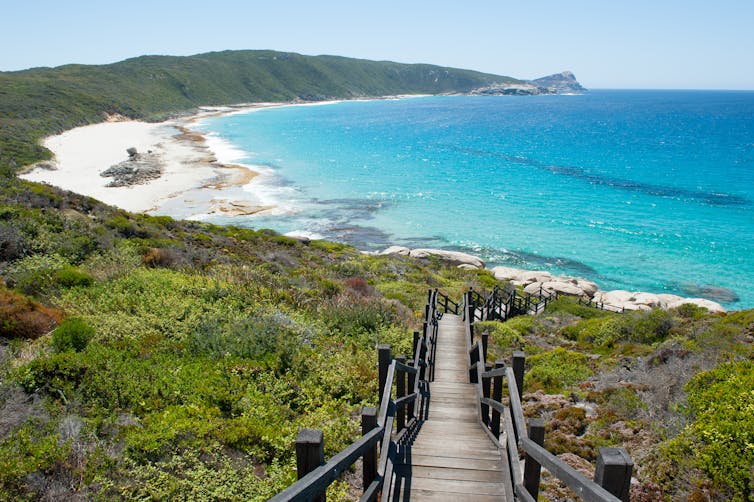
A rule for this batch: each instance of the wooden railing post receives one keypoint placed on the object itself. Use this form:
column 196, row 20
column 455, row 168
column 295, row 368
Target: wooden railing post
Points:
column 485, row 342
column 423, row 359
column 429, row 296
column 310, row 454
column 384, row 356
column 369, row 459
column 400, row 391
column 497, row 395
column 519, row 364
column 532, row 469
column 486, row 390
column 411, row 385
column 613, row 473
column 473, row 360
column 416, row 343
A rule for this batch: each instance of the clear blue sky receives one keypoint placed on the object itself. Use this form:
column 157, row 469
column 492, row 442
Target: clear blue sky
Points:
column 606, row 43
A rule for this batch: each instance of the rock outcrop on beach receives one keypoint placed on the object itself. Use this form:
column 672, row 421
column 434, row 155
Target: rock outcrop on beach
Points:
column 140, row 168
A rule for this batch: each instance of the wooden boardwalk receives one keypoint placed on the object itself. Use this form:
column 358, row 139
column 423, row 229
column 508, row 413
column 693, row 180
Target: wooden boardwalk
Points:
column 452, row 458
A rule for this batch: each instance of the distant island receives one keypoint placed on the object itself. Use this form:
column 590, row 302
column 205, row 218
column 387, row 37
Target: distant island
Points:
column 40, row 102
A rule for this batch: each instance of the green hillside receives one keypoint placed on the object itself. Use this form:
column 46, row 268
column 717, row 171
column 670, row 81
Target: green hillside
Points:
column 43, row 101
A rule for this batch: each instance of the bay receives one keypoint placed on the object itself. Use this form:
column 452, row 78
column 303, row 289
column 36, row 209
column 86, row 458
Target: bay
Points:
column 639, row 190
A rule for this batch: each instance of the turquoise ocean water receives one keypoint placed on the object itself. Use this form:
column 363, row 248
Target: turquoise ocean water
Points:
column 639, row 190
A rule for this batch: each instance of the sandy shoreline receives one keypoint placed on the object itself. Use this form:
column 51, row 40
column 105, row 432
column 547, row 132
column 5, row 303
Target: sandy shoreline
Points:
column 182, row 155
column 199, row 176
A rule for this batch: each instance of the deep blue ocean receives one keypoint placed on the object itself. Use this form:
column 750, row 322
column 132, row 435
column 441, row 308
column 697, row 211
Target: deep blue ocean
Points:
column 639, row 190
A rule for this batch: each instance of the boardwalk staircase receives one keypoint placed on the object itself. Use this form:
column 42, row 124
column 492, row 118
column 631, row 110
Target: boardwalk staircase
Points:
column 444, row 428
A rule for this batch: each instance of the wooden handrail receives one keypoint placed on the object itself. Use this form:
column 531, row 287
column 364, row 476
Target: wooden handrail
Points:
column 408, row 369
column 515, row 400
column 515, row 424
column 312, row 485
column 585, row 488
column 320, row 478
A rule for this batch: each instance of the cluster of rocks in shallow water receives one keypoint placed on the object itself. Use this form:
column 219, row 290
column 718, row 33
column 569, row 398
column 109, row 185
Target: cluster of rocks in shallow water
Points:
column 461, row 260
column 534, row 281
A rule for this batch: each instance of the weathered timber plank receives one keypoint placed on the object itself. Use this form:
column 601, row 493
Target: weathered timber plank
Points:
column 479, row 464
column 447, row 474
column 462, row 429
column 435, row 496
column 452, row 459
column 457, row 452
column 446, row 441
column 461, row 386
column 451, row 407
column 457, row 486
column 449, row 441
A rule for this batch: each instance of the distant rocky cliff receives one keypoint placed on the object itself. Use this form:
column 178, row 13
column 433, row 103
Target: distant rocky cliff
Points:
column 559, row 83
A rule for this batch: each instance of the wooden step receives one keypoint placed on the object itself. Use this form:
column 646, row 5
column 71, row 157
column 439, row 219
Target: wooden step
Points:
column 452, row 457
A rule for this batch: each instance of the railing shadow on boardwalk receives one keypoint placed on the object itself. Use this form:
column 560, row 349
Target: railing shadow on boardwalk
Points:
column 399, row 420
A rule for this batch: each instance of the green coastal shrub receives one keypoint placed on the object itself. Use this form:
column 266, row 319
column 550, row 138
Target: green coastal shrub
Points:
column 599, row 331
column 555, row 370
column 72, row 334
column 36, row 274
column 643, row 327
column 411, row 294
column 504, row 338
column 570, row 305
column 71, row 277
column 29, row 450
column 271, row 339
column 353, row 316
column 721, row 434
column 648, row 327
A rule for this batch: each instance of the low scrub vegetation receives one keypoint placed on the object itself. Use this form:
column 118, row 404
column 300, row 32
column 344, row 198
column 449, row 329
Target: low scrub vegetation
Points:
column 144, row 357
column 673, row 387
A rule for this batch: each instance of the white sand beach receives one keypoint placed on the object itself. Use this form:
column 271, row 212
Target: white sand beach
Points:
column 199, row 175
column 183, row 157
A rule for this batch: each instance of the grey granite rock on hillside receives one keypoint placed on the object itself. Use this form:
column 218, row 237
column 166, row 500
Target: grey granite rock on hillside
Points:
column 560, row 83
